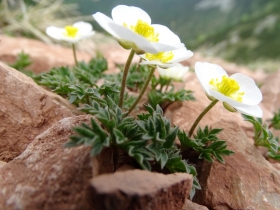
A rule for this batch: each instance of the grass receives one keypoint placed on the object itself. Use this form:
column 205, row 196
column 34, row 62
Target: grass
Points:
column 18, row 18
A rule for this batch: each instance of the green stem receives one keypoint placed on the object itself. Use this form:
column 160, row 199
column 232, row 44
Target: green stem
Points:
column 167, row 85
column 201, row 116
column 138, row 68
column 74, row 53
column 161, row 86
column 143, row 90
column 125, row 72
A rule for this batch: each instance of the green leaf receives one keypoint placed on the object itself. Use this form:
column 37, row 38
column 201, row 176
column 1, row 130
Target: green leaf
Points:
column 72, row 99
column 142, row 162
column 191, row 169
column 22, row 61
column 170, row 138
column 156, row 97
column 218, row 157
column 275, row 121
column 84, row 131
column 96, row 148
column 217, row 145
column 98, row 129
column 163, row 159
column 226, row 152
column 120, row 138
column 149, row 108
column 215, row 131
column 155, row 149
column 176, row 164
column 159, row 110
column 142, row 124
column 206, row 156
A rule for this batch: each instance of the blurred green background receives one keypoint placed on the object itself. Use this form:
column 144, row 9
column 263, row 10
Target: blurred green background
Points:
column 241, row 31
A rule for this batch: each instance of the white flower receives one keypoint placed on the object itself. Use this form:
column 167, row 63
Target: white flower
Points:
column 175, row 72
column 167, row 59
column 132, row 27
column 239, row 91
column 71, row 33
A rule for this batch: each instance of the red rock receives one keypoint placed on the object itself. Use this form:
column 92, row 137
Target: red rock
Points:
column 276, row 165
column 115, row 54
column 137, row 190
column 46, row 56
column 43, row 56
column 271, row 94
column 246, row 181
column 2, row 163
column 26, row 110
column 47, row 175
column 193, row 206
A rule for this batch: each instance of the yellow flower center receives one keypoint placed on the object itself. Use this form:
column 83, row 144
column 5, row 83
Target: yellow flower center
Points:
column 161, row 56
column 71, row 31
column 229, row 87
column 144, row 29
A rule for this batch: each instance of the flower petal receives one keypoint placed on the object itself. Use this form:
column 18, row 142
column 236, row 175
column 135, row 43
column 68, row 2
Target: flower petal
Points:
column 55, row 32
column 104, row 22
column 254, row 111
column 222, row 97
column 84, row 27
column 176, row 72
column 166, row 36
column 181, row 54
column 128, row 39
column 129, row 15
column 160, row 47
column 142, row 43
column 158, row 63
column 127, row 35
column 207, row 71
column 252, row 94
column 72, row 40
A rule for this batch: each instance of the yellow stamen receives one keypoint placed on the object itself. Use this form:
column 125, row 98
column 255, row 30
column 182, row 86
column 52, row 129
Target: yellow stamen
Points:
column 229, row 87
column 71, row 31
column 161, row 56
column 144, row 29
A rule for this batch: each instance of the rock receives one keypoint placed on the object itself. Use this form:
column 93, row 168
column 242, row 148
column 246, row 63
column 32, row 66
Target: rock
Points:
column 276, row 165
column 115, row 54
column 2, row 164
column 43, row 56
column 193, row 206
column 245, row 181
column 46, row 56
column 271, row 94
column 137, row 190
column 26, row 110
column 47, row 175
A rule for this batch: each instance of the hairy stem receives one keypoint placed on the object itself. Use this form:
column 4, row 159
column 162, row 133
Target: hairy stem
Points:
column 143, row 90
column 201, row 116
column 138, row 69
column 167, row 85
column 125, row 72
column 138, row 65
column 74, row 53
